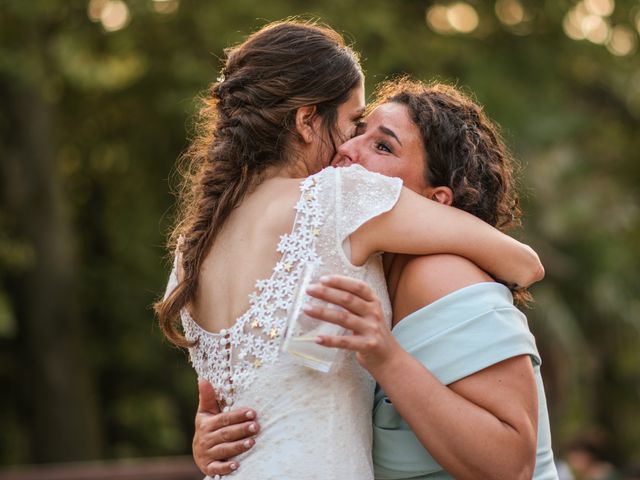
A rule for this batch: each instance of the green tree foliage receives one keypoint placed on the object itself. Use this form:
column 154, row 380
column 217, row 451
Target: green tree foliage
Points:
column 92, row 121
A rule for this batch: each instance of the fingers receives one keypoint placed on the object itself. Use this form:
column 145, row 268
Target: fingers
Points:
column 232, row 433
column 356, row 287
column 216, row 422
column 207, row 398
column 229, row 450
column 341, row 298
column 219, row 438
column 220, row 468
column 349, row 342
column 338, row 317
column 219, row 459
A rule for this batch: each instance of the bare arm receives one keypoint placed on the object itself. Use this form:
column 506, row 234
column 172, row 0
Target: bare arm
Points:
column 420, row 226
column 468, row 427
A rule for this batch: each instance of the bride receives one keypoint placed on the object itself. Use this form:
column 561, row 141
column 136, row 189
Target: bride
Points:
column 256, row 206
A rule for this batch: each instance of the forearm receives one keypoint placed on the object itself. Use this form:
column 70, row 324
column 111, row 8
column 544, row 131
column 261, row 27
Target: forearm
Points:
column 493, row 251
column 465, row 439
column 421, row 227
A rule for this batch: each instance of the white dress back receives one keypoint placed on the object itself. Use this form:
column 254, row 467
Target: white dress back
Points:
column 313, row 425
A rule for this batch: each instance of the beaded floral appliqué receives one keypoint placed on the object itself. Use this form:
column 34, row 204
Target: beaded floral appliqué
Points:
column 230, row 359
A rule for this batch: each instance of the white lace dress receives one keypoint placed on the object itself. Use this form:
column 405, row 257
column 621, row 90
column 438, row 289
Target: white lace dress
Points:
column 313, row 425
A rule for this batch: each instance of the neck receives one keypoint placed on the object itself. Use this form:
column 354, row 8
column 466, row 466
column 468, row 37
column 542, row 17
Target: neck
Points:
column 297, row 166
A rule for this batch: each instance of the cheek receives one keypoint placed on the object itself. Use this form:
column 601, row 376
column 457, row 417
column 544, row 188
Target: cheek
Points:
column 410, row 174
column 413, row 176
column 376, row 164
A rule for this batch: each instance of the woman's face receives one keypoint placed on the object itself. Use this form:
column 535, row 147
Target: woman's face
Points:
column 388, row 142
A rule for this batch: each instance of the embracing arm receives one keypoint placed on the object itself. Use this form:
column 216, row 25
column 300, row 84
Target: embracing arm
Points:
column 469, row 427
column 420, row 226
column 483, row 426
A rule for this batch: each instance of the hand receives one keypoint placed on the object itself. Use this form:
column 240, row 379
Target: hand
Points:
column 361, row 313
column 220, row 436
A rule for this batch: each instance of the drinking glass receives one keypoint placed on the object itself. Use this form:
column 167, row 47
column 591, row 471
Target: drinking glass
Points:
column 302, row 330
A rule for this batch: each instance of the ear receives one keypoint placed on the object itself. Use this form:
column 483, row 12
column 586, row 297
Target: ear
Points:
column 442, row 195
column 304, row 122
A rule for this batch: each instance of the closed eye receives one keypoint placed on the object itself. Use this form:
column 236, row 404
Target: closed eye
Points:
column 360, row 128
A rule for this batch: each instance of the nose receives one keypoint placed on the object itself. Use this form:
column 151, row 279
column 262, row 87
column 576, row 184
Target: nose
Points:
column 346, row 152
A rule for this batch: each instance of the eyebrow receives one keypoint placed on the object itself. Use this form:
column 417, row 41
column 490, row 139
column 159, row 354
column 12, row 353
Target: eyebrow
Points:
column 389, row 132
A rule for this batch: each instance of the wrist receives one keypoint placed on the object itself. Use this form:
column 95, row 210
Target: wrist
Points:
column 390, row 366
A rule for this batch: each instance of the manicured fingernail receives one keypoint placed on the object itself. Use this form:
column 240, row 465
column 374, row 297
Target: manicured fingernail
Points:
column 250, row 415
column 252, row 428
column 325, row 278
column 233, row 466
column 307, row 308
column 319, row 340
column 247, row 443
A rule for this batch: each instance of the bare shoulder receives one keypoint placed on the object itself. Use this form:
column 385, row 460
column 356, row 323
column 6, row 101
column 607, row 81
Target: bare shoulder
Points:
column 445, row 267
column 427, row 278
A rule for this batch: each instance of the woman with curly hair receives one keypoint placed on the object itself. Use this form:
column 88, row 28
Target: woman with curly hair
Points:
column 460, row 393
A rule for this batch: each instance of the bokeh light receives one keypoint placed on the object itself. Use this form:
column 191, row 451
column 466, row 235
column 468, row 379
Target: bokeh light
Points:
column 437, row 19
column 602, row 8
column 463, row 17
column 458, row 17
column 510, row 12
column 165, row 7
column 623, row 40
column 595, row 29
column 572, row 23
column 588, row 20
column 94, row 9
column 112, row 14
column 115, row 15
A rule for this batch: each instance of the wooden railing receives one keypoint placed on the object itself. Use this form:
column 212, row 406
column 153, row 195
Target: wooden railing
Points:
column 166, row 468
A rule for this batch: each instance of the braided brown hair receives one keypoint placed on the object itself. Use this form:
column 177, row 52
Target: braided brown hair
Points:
column 246, row 125
column 464, row 151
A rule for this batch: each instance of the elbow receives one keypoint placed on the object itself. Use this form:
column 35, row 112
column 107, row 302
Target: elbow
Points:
column 538, row 273
column 535, row 271
column 511, row 470
column 520, row 462
column 526, row 470
column 521, row 469
column 528, row 473
column 525, row 464
column 517, row 461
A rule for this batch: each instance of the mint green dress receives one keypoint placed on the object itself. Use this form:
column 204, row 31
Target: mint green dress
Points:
column 458, row 335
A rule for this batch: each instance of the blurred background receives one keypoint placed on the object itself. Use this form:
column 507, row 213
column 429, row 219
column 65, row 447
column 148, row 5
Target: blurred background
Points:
column 97, row 100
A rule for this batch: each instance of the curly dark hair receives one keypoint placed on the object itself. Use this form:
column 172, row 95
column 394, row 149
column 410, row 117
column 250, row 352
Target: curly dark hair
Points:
column 246, row 125
column 464, row 151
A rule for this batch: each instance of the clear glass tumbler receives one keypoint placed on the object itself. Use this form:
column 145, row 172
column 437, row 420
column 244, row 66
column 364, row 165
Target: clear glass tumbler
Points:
column 302, row 330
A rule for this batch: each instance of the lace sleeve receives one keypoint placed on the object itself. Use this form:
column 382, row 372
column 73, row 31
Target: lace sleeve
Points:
column 362, row 195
